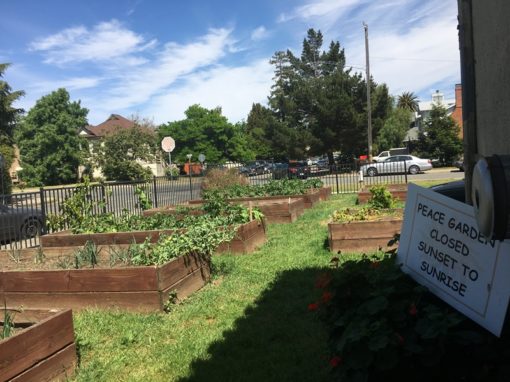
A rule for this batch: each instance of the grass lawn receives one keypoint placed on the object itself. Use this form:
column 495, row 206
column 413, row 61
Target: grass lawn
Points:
column 251, row 323
column 430, row 183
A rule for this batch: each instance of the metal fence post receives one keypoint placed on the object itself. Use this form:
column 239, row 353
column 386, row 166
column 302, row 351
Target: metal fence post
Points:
column 405, row 170
column 336, row 177
column 103, row 198
column 190, row 186
column 155, row 192
column 43, row 210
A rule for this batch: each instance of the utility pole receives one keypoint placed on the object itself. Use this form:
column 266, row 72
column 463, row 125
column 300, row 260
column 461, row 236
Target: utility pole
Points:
column 369, row 104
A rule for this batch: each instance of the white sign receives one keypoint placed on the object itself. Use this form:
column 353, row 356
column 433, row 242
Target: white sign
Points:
column 168, row 144
column 201, row 158
column 442, row 249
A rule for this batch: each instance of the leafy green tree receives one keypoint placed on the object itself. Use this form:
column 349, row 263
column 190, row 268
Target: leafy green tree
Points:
column 119, row 153
column 440, row 138
column 272, row 138
column 9, row 116
column 394, row 130
column 408, row 101
column 207, row 132
column 50, row 147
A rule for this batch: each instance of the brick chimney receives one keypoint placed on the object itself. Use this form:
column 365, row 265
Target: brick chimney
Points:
column 457, row 113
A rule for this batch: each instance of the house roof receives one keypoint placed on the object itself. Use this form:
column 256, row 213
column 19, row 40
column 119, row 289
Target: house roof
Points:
column 109, row 126
column 427, row 105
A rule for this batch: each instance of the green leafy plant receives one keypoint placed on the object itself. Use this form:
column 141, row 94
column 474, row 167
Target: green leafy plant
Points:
column 87, row 255
column 15, row 255
column 121, row 255
column 381, row 197
column 144, row 201
column 170, row 302
column 172, row 172
column 384, row 326
column 8, row 323
column 64, row 262
column 272, row 188
column 355, row 214
column 39, row 256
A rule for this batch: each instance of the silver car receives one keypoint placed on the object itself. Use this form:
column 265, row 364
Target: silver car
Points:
column 397, row 164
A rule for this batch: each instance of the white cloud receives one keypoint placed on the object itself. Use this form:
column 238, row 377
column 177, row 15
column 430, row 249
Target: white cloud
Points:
column 413, row 43
column 174, row 61
column 105, row 41
column 426, row 55
column 235, row 89
column 327, row 11
column 259, row 33
column 76, row 83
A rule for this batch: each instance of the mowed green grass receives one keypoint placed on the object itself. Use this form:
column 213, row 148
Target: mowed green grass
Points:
column 251, row 323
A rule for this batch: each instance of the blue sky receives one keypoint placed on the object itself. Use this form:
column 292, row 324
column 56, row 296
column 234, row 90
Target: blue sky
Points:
column 154, row 58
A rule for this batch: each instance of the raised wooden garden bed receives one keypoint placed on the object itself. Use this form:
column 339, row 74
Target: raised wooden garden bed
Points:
column 362, row 236
column 275, row 210
column 310, row 199
column 399, row 191
column 43, row 351
column 144, row 288
column 325, row 193
column 249, row 237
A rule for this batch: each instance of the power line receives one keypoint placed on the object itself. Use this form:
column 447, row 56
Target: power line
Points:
column 413, row 59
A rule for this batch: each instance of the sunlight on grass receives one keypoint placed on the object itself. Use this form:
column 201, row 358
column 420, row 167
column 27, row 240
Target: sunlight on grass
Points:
column 250, row 323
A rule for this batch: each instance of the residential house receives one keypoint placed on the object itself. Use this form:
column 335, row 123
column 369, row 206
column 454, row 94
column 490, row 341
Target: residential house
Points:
column 453, row 108
column 94, row 134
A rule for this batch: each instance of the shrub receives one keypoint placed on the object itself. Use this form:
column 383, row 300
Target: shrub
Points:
column 272, row 188
column 355, row 214
column 172, row 172
column 218, row 178
column 386, row 327
column 381, row 197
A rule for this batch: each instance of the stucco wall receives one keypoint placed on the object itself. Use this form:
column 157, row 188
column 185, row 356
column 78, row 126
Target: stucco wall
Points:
column 491, row 41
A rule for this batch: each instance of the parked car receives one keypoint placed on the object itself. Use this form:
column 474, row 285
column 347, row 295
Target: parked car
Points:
column 459, row 164
column 391, row 152
column 299, row 170
column 397, row 164
column 255, row 168
column 280, row 171
column 19, row 223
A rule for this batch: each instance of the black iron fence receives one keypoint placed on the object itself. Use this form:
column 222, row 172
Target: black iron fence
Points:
column 23, row 216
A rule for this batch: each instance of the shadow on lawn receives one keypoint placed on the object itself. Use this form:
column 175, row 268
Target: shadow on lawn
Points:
column 277, row 339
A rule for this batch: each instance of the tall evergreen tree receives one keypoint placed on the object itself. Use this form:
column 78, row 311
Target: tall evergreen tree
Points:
column 50, row 147
column 9, row 116
column 321, row 101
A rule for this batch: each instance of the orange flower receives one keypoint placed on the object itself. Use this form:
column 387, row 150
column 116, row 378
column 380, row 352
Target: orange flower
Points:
column 313, row 306
column 323, row 280
column 326, row 296
column 335, row 361
column 412, row 310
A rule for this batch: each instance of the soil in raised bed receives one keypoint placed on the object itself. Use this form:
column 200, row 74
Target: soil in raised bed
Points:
column 61, row 258
column 359, row 214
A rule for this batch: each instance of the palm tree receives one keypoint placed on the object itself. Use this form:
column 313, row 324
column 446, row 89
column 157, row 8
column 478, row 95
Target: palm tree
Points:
column 408, row 101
